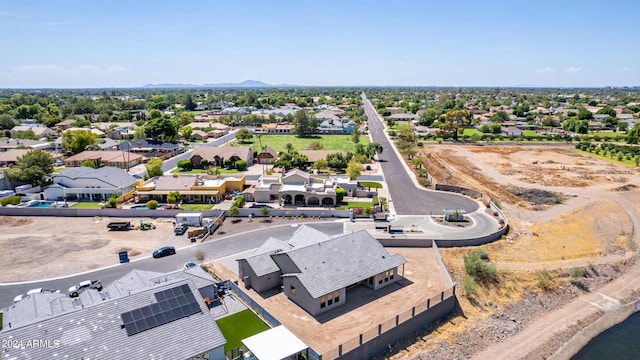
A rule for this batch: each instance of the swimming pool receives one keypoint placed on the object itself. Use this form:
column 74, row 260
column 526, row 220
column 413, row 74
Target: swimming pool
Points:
column 144, row 207
column 44, row 204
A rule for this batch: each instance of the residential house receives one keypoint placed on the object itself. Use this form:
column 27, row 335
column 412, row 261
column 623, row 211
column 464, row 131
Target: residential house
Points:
column 94, row 131
column 267, row 156
column 330, row 123
column 8, row 144
column 217, row 156
column 89, row 184
column 199, row 135
column 39, row 131
column 119, row 159
column 9, row 158
column 511, row 131
column 206, row 117
column 130, row 318
column 395, row 110
column 404, row 117
column 315, row 269
column 202, row 189
column 152, row 148
column 237, row 110
column 64, row 124
column 277, row 128
column 280, row 112
column 300, row 188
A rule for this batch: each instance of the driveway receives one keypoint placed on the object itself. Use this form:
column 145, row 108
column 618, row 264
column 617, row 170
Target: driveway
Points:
column 407, row 198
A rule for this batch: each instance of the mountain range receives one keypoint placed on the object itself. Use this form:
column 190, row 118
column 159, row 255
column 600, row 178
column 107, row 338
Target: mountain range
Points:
column 243, row 84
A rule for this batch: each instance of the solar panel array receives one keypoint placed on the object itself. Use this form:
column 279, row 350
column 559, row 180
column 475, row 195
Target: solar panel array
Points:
column 171, row 304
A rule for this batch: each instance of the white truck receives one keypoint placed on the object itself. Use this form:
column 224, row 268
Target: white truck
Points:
column 76, row 289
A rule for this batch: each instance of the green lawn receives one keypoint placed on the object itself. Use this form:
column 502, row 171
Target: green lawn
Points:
column 354, row 204
column 240, row 326
column 196, row 207
column 329, row 142
column 370, row 184
column 532, row 133
column 87, row 205
column 471, row 132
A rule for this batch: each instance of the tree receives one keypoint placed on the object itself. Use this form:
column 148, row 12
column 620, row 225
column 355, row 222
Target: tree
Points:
column 355, row 136
column 188, row 103
column 187, row 132
column 241, row 165
column 185, row 119
column 339, row 195
column 584, row 114
column 455, row 120
column 25, row 134
column 154, row 167
column 161, row 128
column 152, row 204
column 417, row 162
column 6, row 122
column 200, row 256
column 354, row 169
column 337, row 161
column 265, row 211
column 320, row 164
column 34, row 167
column 173, row 197
column 77, row 141
column 185, row 165
column 305, row 125
column 90, row 163
column 243, row 135
column 375, row 148
column 499, row 117
column 233, row 211
column 607, row 110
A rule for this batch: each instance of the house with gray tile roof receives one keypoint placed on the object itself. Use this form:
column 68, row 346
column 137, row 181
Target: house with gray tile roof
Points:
column 144, row 314
column 314, row 269
column 89, row 184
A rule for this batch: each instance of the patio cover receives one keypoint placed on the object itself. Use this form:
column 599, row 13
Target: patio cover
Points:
column 274, row 344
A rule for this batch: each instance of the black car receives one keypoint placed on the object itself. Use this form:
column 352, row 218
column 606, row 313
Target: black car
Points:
column 164, row 251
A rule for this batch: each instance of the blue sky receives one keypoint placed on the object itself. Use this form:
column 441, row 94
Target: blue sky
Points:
column 417, row 43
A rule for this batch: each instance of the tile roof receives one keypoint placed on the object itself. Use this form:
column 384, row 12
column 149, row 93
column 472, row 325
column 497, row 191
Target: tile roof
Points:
column 261, row 261
column 339, row 262
column 225, row 152
column 148, row 143
column 108, row 174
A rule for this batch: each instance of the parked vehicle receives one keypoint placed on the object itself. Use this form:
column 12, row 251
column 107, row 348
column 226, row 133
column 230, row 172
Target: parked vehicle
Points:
column 189, row 264
column 76, row 289
column 145, row 225
column 164, row 251
column 120, row 226
column 20, row 297
column 180, row 228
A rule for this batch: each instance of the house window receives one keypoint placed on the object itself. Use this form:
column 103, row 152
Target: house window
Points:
column 391, row 273
column 336, row 296
column 386, row 276
column 292, row 289
column 379, row 279
column 322, row 302
column 330, row 299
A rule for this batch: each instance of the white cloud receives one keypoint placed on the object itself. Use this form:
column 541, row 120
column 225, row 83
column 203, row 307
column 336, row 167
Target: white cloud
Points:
column 573, row 69
column 116, row 68
column 548, row 69
column 624, row 70
column 88, row 67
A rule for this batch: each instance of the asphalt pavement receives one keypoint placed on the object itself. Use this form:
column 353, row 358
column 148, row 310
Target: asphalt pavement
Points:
column 407, row 198
column 215, row 247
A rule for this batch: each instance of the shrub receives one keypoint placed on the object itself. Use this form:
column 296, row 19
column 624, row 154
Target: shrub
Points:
column 152, row 204
column 233, row 211
column 357, row 210
column 339, row 195
column 544, row 280
column 368, row 210
column 13, row 200
column 470, row 286
column 558, row 198
column 265, row 211
column 200, row 256
column 477, row 264
column 239, row 201
column 303, row 215
column 578, row 272
column 241, row 165
column 113, row 202
column 185, row 165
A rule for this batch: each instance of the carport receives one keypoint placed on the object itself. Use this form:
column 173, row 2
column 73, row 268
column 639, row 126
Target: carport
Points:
column 276, row 344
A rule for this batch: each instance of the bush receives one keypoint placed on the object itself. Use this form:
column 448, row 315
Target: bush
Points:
column 303, row 215
column 357, row 210
column 234, row 211
column 339, row 195
column 470, row 286
column 241, row 165
column 113, row 202
column 578, row 272
column 13, row 200
column 239, row 201
column 185, row 165
column 477, row 264
column 152, row 204
column 200, row 256
column 544, row 280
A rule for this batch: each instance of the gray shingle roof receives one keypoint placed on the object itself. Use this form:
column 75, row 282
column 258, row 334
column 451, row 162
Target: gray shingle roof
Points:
column 341, row 261
column 108, row 174
column 306, row 235
column 261, row 261
column 96, row 332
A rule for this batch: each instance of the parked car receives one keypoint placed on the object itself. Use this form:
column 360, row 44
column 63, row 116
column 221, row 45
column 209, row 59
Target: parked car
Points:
column 189, row 264
column 20, row 297
column 76, row 289
column 180, row 228
column 164, row 251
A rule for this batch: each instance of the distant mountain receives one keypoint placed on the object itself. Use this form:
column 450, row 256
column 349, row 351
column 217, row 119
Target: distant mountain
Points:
column 244, row 84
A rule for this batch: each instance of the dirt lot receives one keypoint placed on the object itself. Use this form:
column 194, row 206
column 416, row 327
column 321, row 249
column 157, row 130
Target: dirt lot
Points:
column 565, row 209
column 45, row 247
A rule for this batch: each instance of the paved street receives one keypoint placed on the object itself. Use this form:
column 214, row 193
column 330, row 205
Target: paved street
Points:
column 215, row 247
column 407, row 198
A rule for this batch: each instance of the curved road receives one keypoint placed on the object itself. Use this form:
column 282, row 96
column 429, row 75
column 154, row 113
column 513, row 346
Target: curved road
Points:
column 215, row 248
column 407, row 198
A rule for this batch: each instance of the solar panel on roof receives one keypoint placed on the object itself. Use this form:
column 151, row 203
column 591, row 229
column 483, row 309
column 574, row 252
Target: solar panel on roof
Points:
column 173, row 304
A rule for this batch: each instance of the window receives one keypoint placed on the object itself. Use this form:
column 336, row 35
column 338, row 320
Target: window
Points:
column 336, row 296
column 330, row 299
column 379, row 279
column 292, row 289
column 392, row 272
column 386, row 276
column 322, row 302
